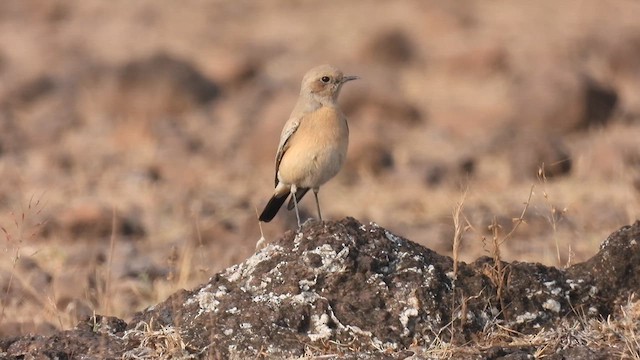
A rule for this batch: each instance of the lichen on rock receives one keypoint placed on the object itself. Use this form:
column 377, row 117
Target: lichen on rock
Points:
column 348, row 288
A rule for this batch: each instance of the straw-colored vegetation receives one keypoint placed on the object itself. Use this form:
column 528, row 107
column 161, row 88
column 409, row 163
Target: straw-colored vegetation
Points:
column 124, row 180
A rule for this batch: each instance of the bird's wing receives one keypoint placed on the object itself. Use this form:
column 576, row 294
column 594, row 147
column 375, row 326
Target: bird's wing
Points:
column 285, row 139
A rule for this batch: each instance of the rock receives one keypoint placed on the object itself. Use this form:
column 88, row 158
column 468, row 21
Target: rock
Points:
column 454, row 173
column 391, row 48
column 345, row 282
column 382, row 110
column 558, row 102
column 599, row 104
column 3, row 61
column 33, row 274
column 158, row 86
column 580, row 353
column 348, row 288
column 612, row 275
column 73, row 307
column 96, row 338
column 30, row 91
column 14, row 328
column 93, row 221
column 163, row 72
column 532, row 151
column 481, row 61
column 372, row 158
column 235, row 69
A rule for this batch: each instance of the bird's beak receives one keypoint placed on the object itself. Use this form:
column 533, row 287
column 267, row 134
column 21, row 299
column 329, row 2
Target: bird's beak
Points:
column 349, row 78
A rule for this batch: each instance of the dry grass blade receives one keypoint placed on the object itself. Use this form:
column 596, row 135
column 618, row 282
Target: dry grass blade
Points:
column 14, row 241
column 499, row 273
column 163, row 343
column 458, row 231
column 106, row 301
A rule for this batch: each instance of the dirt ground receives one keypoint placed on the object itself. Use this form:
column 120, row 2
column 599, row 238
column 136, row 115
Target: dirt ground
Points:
column 137, row 139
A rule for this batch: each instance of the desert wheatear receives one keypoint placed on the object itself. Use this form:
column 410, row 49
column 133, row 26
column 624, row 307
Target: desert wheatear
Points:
column 314, row 141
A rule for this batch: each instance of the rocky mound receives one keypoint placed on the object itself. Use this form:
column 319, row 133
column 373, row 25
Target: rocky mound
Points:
column 344, row 288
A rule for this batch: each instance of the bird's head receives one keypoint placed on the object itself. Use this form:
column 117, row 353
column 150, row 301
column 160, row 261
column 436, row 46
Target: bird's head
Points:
column 323, row 83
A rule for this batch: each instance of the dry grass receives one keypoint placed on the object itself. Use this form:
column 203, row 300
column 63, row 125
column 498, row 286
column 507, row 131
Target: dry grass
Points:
column 23, row 230
column 192, row 176
column 617, row 334
column 161, row 343
column 618, row 337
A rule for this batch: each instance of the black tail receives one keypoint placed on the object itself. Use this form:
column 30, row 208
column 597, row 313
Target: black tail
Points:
column 272, row 207
column 299, row 194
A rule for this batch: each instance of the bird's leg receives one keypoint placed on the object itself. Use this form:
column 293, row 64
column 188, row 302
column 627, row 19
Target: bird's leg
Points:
column 315, row 192
column 295, row 204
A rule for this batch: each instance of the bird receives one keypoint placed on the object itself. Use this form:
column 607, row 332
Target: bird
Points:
column 313, row 143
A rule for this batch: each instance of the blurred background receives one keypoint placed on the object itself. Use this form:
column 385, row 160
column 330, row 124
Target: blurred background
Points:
column 137, row 139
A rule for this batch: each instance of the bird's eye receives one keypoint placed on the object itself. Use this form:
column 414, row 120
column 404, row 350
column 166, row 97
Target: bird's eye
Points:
column 325, row 79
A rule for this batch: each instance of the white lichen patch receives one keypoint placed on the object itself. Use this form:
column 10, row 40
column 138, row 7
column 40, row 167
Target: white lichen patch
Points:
column 276, row 272
column 383, row 346
column 526, row 317
column 550, row 285
column 208, row 300
column 376, row 278
column 319, row 328
column 306, row 284
column 296, row 241
column 305, row 297
column 271, row 299
column 331, row 261
column 247, row 268
column 196, row 297
column 411, row 269
column 450, row 275
column 405, row 316
column 393, row 238
column 429, row 276
column 552, row 305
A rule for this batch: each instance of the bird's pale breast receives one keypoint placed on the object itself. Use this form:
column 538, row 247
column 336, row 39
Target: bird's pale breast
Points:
column 317, row 150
